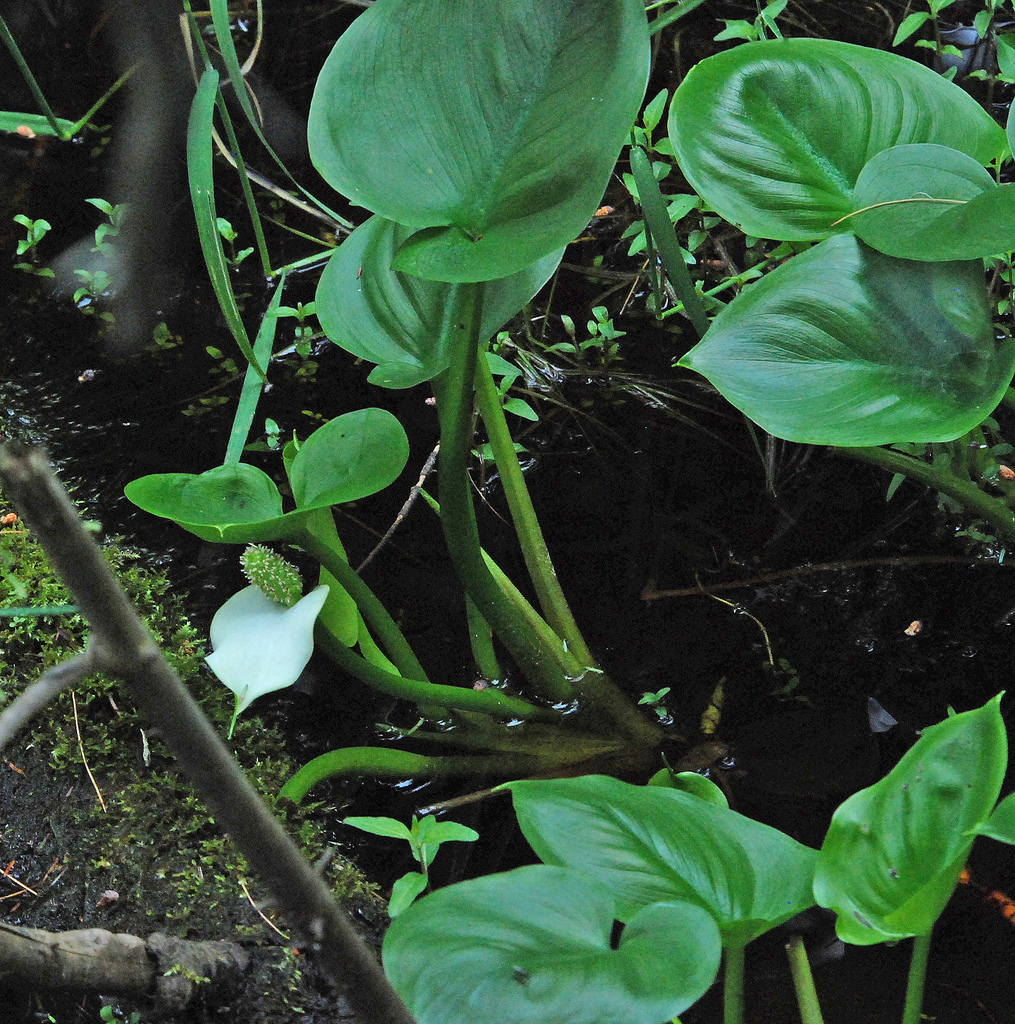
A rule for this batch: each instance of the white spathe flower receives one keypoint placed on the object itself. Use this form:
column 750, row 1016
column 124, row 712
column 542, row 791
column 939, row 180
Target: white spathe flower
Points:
column 260, row 645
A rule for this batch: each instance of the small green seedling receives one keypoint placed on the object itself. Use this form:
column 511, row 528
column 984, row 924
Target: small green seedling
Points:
column 228, row 233
column 116, row 215
column 424, row 836
column 655, row 702
column 35, row 231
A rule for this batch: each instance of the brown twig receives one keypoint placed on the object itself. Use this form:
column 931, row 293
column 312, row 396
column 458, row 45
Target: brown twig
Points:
column 649, row 593
column 405, row 509
column 42, row 692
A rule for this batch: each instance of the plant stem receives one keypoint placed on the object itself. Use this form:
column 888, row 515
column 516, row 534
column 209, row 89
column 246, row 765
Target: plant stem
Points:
column 462, row 698
column 26, row 74
column 733, row 981
column 384, row 626
column 523, row 515
column 385, row 762
column 454, row 390
column 917, row 977
column 589, row 682
column 101, row 101
column 803, row 981
column 481, row 640
column 993, row 510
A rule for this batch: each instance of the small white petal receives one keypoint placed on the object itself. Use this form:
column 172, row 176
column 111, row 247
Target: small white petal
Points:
column 260, row 645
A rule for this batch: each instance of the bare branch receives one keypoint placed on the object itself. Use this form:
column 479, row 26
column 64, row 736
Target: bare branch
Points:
column 46, row 688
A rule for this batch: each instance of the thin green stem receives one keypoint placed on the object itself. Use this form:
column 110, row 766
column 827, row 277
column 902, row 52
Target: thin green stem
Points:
column 590, row 682
column 733, row 985
column 454, row 403
column 917, row 977
column 101, row 101
column 26, row 74
column 248, row 192
column 481, row 640
column 523, row 515
column 426, row 694
column 803, row 982
column 979, row 503
column 383, row 625
column 385, row 762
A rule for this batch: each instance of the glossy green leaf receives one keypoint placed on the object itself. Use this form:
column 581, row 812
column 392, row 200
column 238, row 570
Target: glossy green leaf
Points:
column 38, row 124
column 927, row 202
column 404, row 891
column 533, row 945
column 774, row 135
column 1001, row 823
column 229, row 504
column 894, row 851
column 844, row 346
column 350, row 457
column 649, row 844
column 388, row 827
column 494, row 127
column 394, row 319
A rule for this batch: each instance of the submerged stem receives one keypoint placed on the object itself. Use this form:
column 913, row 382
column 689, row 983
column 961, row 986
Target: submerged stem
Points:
column 917, row 977
column 523, row 515
column 733, row 981
column 455, row 402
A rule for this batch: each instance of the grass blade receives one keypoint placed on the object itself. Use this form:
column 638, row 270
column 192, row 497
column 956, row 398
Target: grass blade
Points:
column 657, row 222
column 251, row 393
column 202, row 193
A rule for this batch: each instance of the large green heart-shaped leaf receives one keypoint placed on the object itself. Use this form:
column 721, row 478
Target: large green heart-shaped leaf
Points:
column 395, row 319
column 928, row 202
column 894, row 851
column 844, row 346
column 495, row 126
column 774, row 135
column 533, row 945
column 233, row 504
column 349, row 457
column 651, row 844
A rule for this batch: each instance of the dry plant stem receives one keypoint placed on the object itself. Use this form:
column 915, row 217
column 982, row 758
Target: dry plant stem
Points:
column 127, row 649
column 45, row 689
